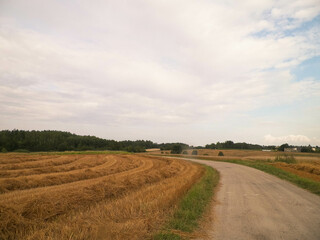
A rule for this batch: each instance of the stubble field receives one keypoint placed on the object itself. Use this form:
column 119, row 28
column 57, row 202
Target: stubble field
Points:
column 101, row 196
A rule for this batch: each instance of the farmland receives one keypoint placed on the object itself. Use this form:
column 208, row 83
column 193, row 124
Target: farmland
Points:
column 90, row 196
column 269, row 208
column 305, row 165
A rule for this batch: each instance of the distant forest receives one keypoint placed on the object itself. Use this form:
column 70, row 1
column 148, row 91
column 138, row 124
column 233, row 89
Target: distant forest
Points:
column 43, row 141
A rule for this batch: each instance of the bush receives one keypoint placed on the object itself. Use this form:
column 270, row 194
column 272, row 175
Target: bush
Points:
column 220, row 154
column 3, row 150
column 285, row 158
column 184, row 152
column 194, row 152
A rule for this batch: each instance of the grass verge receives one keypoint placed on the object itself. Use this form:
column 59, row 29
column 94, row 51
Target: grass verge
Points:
column 308, row 184
column 186, row 218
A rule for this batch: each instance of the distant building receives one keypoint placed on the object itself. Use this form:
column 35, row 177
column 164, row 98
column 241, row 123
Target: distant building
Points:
column 292, row 149
column 266, row 150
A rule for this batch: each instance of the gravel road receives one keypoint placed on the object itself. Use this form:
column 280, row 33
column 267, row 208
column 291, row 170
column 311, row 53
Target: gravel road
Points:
column 255, row 205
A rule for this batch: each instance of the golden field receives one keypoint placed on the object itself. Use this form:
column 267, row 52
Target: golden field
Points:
column 89, row 196
column 309, row 169
column 307, row 164
column 246, row 154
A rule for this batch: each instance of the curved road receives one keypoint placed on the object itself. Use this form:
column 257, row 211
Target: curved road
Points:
column 255, row 205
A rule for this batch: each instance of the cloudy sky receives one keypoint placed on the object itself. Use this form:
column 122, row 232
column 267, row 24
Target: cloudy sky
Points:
column 191, row 71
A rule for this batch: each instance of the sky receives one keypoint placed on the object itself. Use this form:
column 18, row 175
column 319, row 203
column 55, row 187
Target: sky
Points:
column 196, row 72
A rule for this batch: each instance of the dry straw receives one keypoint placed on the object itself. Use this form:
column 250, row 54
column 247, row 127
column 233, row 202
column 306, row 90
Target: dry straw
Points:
column 108, row 197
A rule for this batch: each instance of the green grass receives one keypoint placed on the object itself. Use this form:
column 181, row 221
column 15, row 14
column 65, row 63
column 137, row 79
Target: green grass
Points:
column 285, row 158
column 191, row 207
column 166, row 236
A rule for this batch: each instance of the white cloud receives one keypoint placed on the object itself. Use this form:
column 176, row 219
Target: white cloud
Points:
column 152, row 63
column 290, row 139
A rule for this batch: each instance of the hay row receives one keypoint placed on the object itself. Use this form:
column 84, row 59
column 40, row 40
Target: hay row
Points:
column 38, row 164
column 80, row 162
column 12, row 158
column 58, row 178
column 129, row 202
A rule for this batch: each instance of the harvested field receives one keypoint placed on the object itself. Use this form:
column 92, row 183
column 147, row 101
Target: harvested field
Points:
column 245, row 154
column 308, row 169
column 307, row 164
column 101, row 196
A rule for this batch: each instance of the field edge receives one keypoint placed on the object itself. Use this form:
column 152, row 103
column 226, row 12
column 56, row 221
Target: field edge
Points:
column 191, row 208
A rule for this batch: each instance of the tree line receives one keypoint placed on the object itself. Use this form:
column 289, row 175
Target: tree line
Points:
column 48, row 140
column 231, row 145
column 242, row 145
column 37, row 141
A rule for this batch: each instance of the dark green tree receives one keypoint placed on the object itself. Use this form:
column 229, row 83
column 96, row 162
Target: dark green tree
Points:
column 283, row 146
column 211, row 146
column 176, row 149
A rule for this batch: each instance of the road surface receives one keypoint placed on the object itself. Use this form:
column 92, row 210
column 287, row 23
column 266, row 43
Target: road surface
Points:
column 255, row 205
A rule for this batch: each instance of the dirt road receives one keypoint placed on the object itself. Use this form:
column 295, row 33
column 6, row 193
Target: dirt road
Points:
column 255, row 205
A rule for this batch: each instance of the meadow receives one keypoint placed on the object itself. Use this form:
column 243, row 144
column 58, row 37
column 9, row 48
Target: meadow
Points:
column 90, row 196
